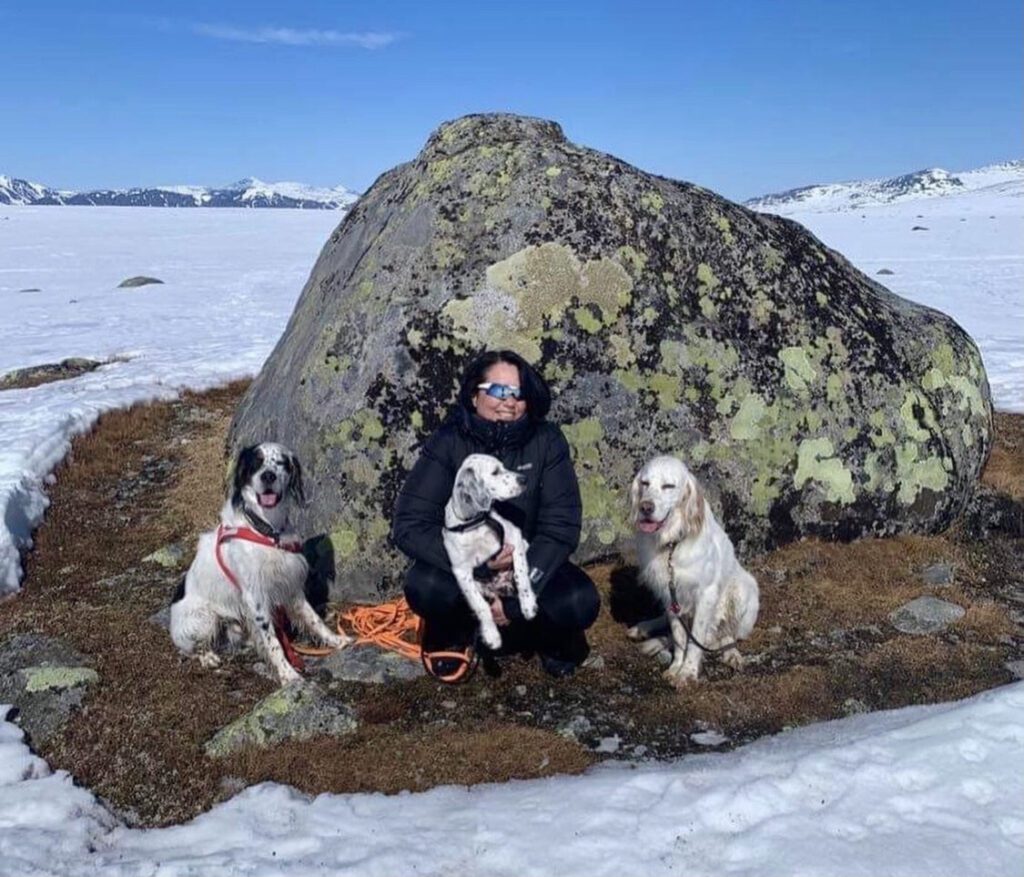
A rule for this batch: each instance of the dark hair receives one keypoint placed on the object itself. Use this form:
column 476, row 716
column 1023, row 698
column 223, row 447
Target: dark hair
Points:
column 535, row 389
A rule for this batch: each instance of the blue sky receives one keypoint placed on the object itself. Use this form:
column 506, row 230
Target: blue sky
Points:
column 741, row 96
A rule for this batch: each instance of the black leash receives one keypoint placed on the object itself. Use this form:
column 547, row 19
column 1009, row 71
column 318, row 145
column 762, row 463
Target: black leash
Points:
column 676, row 610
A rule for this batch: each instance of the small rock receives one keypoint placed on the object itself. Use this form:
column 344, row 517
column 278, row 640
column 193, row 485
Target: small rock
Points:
column 938, row 574
column 521, row 690
column 709, row 738
column 853, row 707
column 664, row 657
column 595, row 662
column 639, row 751
column 925, row 615
column 295, row 712
column 448, row 704
column 577, row 727
column 1016, row 668
column 162, row 618
column 140, row 280
column 920, row 228
column 367, row 663
column 169, row 557
column 608, row 744
column 886, row 271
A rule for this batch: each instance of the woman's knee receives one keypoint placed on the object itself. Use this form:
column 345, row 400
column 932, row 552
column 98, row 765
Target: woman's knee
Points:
column 431, row 591
column 570, row 600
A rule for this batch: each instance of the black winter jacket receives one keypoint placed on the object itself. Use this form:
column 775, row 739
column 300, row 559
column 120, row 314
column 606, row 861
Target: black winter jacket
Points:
column 548, row 512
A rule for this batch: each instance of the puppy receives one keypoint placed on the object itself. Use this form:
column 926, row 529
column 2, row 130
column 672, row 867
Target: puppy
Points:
column 249, row 566
column 688, row 562
column 473, row 534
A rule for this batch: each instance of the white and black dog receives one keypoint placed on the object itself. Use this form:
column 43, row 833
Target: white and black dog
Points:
column 250, row 566
column 474, row 533
column 688, row 562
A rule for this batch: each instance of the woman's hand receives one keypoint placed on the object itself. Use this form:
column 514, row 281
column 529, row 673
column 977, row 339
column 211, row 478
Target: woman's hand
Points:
column 498, row 613
column 501, row 561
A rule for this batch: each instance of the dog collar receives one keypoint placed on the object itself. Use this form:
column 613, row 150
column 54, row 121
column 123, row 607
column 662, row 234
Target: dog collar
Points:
column 480, row 520
column 260, row 526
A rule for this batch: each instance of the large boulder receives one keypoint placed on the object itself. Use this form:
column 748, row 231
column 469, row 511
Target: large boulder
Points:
column 808, row 398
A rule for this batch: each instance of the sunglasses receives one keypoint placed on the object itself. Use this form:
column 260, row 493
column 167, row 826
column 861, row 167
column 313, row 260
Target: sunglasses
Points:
column 501, row 391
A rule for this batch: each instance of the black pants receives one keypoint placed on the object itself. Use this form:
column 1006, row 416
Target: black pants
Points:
column 566, row 606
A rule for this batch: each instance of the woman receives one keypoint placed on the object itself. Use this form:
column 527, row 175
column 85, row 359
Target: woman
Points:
column 500, row 411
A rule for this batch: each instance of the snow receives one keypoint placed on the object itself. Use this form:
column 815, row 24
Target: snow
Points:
column 230, row 276
column 933, row 790
column 925, row 790
column 967, row 262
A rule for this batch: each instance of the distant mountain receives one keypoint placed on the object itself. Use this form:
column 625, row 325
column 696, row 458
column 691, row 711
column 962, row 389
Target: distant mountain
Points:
column 931, row 183
column 249, row 192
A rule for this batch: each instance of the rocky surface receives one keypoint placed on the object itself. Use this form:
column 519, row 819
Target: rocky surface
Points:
column 295, row 712
column 926, row 615
column 141, row 280
column 808, row 398
column 35, row 375
column 45, row 680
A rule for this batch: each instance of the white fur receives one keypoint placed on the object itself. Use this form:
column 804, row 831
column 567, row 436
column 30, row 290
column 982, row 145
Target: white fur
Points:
column 480, row 481
column 269, row 576
column 713, row 590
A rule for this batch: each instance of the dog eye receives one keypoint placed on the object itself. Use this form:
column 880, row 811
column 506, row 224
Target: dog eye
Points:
column 645, row 483
column 668, row 487
column 495, row 472
column 287, row 465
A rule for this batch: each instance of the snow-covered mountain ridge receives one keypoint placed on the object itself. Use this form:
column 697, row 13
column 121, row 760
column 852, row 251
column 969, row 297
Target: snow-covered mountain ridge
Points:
column 1004, row 178
column 248, row 192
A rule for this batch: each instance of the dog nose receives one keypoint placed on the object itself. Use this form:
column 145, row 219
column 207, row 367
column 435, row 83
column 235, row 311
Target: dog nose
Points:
column 521, row 480
column 647, row 507
column 268, row 477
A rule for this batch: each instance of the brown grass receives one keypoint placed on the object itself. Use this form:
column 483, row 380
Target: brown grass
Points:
column 389, row 761
column 1005, row 468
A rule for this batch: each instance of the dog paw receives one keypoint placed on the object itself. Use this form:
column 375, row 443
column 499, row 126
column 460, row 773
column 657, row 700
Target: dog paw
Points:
column 288, row 675
column 337, row 640
column 652, row 647
column 529, row 607
column 209, row 660
column 636, row 634
column 733, row 658
column 680, row 677
column 491, row 638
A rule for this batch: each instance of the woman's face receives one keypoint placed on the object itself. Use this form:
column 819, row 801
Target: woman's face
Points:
column 490, row 408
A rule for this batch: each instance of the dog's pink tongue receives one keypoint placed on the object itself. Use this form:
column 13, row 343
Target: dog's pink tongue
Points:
column 648, row 526
column 268, row 500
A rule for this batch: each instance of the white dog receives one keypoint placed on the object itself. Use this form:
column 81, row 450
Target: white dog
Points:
column 687, row 560
column 473, row 534
column 250, row 566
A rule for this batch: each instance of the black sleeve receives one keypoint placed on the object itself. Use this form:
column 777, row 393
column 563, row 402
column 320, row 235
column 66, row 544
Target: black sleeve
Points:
column 559, row 513
column 419, row 510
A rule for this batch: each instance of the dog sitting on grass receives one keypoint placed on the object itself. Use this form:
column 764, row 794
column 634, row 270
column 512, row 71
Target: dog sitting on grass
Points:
column 688, row 562
column 250, row 568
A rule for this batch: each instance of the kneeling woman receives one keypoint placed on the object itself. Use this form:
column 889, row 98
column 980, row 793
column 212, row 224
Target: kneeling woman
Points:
column 500, row 411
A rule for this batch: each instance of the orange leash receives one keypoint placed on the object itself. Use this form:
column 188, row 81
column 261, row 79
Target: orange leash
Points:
column 395, row 627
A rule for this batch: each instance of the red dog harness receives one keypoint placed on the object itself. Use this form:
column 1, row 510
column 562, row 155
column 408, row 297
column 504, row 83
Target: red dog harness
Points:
column 226, row 534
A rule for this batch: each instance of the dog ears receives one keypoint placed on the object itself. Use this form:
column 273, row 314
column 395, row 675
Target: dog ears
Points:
column 295, row 484
column 634, row 499
column 249, row 461
column 692, row 506
column 472, row 492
